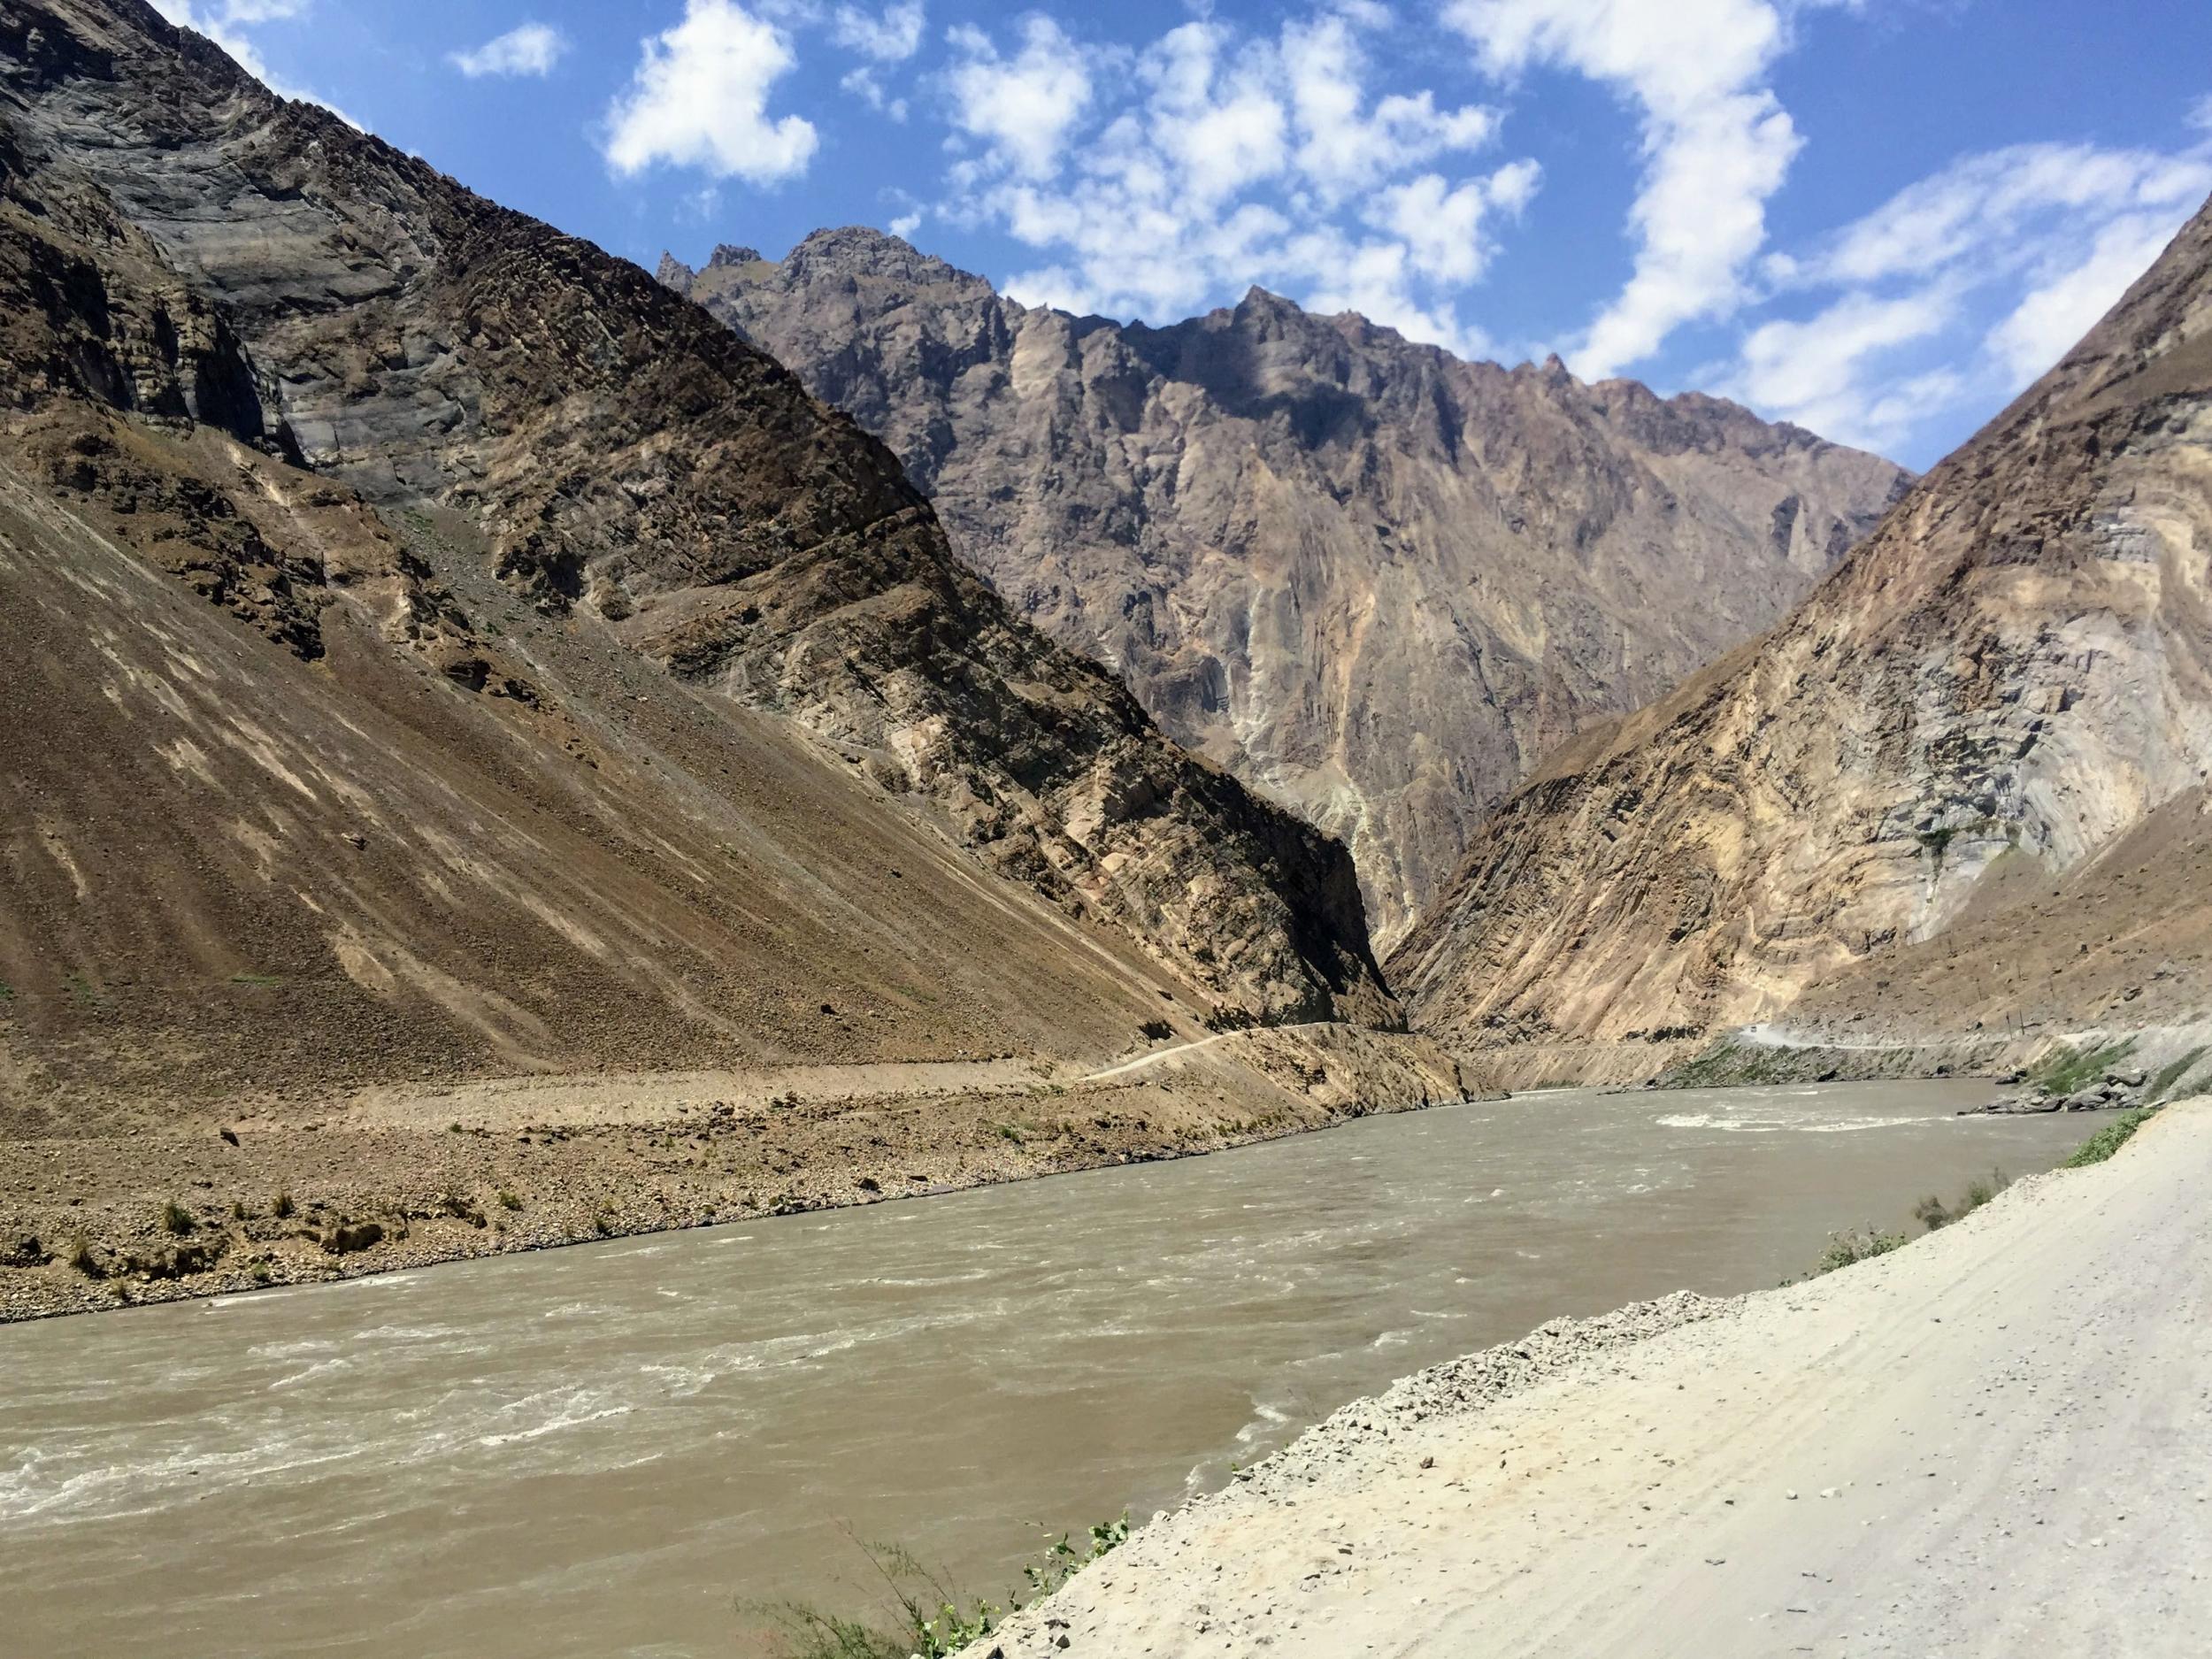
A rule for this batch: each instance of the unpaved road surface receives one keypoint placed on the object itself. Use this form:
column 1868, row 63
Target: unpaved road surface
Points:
column 1993, row 1442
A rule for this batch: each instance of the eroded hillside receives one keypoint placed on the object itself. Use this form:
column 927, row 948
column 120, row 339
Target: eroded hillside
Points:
column 1947, row 744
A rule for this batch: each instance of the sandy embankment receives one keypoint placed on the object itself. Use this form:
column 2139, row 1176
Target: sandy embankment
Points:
column 494, row 1165
column 1991, row 1443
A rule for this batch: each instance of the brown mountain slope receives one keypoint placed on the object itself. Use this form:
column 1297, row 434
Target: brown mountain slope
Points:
column 1376, row 582
column 489, row 760
column 2009, row 678
column 184, row 245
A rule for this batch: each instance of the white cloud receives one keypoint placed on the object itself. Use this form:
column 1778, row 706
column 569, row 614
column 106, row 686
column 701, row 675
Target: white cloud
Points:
column 866, row 85
column 529, row 49
column 906, row 224
column 1962, row 288
column 2200, row 113
column 889, row 37
column 1153, row 182
column 1817, row 371
column 1716, row 143
column 1021, row 108
column 699, row 98
column 2065, row 304
column 1343, row 146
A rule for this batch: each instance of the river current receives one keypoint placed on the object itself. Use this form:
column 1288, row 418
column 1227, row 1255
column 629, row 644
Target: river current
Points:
column 606, row 1450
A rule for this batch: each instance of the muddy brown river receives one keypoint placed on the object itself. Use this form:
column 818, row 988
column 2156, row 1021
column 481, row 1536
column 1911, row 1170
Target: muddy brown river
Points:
column 604, row 1450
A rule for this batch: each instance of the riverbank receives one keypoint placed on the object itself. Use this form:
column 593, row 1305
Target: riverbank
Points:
column 392, row 1179
column 1984, row 1443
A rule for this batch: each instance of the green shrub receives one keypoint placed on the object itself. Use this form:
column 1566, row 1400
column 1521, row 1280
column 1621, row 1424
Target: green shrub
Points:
column 2109, row 1139
column 507, row 1200
column 929, row 1619
column 1855, row 1245
column 1933, row 1212
column 281, row 1206
column 175, row 1218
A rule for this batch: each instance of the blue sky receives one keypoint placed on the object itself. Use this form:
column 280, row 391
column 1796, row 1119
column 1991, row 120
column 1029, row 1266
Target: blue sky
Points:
column 1877, row 218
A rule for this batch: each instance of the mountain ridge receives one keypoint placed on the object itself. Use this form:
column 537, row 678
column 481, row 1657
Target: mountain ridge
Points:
column 1374, row 581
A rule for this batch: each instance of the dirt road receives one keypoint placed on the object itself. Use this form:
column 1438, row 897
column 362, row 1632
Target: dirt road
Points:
column 1989, row 1443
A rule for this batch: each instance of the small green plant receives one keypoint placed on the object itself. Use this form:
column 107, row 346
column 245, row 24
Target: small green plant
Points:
column 603, row 1221
column 281, row 1206
column 507, row 1200
column 7, row 993
column 237, row 1209
column 929, row 1619
column 176, row 1220
column 1855, row 1245
column 2109, row 1139
column 79, row 1256
column 1933, row 1212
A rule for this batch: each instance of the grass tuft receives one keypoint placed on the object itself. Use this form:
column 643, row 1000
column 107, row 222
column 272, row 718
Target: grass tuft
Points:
column 928, row 1619
column 176, row 1220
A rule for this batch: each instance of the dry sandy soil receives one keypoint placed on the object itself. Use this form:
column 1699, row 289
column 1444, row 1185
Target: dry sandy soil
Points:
column 394, row 1176
column 1990, row 1443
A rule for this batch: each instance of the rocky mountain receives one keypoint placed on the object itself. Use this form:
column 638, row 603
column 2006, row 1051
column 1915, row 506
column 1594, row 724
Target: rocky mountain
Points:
column 1375, row 582
column 435, row 648
column 1962, row 785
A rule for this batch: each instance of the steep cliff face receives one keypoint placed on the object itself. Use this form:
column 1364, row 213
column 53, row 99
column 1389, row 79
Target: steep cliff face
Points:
column 1375, row 582
column 483, row 528
column 1957, row 731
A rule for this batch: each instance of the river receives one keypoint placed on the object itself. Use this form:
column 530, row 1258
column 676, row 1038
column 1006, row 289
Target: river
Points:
column 603, row 1449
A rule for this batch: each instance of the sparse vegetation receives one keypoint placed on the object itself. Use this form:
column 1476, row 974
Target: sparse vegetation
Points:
column 2109, row 1139
column 176, row 1220
column 507, row 1200
column 2065, row 1069
column 281, row 1206
column 1933, row 1212
column 256, row 979
column 1855, row 1245
column 927, row 1617
column 79, row 1256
